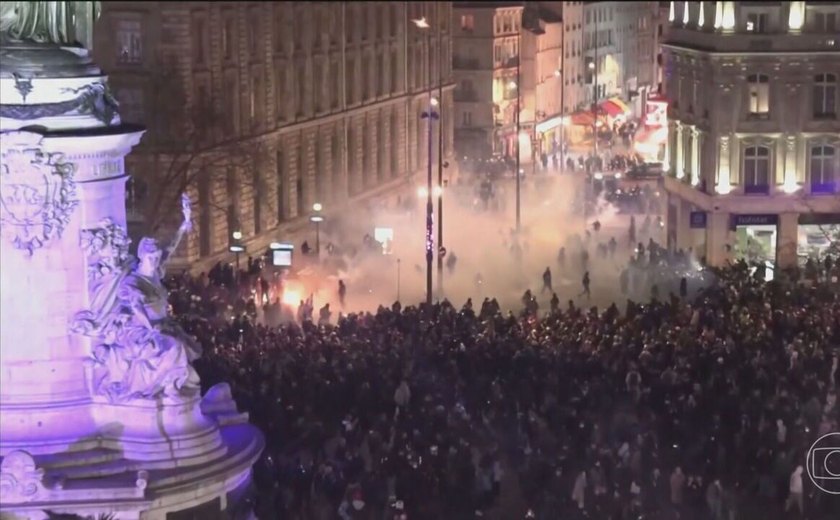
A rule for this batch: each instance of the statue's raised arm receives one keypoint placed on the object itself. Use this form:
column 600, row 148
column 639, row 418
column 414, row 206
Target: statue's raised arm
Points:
column 186, row 227
column 59, row 23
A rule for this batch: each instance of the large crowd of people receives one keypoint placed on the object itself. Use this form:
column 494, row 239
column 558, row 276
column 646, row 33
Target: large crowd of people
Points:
column 686, row 406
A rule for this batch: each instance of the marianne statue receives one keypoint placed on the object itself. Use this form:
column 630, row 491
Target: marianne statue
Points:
column 139, row 351
column 67, row 24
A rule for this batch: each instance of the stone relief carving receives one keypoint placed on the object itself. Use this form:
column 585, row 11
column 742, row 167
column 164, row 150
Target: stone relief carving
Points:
column 38, row 193
column 94, row 99
column 139, row 351
column 106, row 247
column 22, row 85
column 20, row 479
column 59, row 23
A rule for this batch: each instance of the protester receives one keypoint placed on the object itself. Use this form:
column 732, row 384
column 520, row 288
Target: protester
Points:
column 435, row 412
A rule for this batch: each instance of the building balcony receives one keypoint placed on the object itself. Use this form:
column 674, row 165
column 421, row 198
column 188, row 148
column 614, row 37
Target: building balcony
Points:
column 466, row 64
column 741, row 42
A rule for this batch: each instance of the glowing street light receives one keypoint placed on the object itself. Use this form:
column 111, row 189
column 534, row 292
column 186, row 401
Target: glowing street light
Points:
column 434, row 102
column 316, row 218
column 421, row 23
column 237, row 235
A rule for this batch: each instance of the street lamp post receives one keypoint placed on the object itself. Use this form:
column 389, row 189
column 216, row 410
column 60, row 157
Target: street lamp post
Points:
column 236, row 247
column 516, row 115
column 441, row 250
column 430, row 114
column 595, row 93
column 316, row 218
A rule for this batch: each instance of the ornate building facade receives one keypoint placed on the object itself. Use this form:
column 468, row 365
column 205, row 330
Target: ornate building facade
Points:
column 259, row 110
column 754, row 151
column 619, row 43
column 488, row 37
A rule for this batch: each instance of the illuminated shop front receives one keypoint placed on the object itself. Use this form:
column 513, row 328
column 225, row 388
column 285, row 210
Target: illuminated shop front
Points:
column 652, row 138
column 818, row 236
column 756, row 239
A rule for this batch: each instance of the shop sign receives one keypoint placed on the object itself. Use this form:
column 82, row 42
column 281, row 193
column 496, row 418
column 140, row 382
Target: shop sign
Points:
column 756, row 220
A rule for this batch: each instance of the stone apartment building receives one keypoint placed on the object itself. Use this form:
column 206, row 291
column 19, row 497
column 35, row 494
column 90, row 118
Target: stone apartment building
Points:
column 754, row 134
column 619, row 52
column 574, row 93
column 490, row 78
column 261, row 109
column 485, row 64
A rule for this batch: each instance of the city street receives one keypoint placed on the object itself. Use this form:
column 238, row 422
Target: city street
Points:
column 373, row 278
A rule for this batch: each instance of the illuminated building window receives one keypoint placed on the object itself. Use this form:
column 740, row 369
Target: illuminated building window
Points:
column 756, row 169
column 823, row 169
column 759, row 94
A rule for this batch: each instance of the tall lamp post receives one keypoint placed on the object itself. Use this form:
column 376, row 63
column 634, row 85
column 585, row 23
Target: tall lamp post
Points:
column 316, row 218
column 595, row 94
column 516, row 115
column 236, row 247
column 429, row 114
column 441, row 251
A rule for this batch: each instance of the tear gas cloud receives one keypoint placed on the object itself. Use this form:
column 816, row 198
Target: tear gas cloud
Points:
column 481, row 240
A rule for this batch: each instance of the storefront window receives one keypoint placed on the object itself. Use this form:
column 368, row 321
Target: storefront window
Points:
column 816, row 241
column 756, row 238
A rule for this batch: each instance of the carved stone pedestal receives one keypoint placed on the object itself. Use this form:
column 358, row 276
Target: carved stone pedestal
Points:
column 159, row 433
column 144, row 444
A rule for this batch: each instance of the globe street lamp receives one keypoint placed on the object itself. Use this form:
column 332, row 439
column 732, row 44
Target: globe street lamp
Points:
column 316, row 218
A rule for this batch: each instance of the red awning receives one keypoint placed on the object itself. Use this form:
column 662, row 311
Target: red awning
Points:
column 614, row 107
column 583, row 118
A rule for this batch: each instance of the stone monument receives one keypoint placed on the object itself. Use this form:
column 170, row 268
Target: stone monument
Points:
column 100, row 407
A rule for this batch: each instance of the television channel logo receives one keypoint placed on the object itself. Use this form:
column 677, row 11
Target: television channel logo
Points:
column 823, row 463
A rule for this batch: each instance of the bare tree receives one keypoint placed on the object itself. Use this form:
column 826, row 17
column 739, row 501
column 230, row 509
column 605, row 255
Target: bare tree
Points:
column 189, row 142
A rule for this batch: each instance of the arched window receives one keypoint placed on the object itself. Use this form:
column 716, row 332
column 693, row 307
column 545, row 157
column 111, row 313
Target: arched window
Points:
column 301, row 175
column 825, row 95
column 823, row 169
column 352, row 157
column 367, row 152
column 381, row 124
column 759, row 93
column 395, row 144
column 335, row 167
column 320, row 181
column 756, row 169
column 282, row 184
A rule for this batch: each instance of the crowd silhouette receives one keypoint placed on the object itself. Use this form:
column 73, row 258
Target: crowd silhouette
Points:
column 692, row 407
